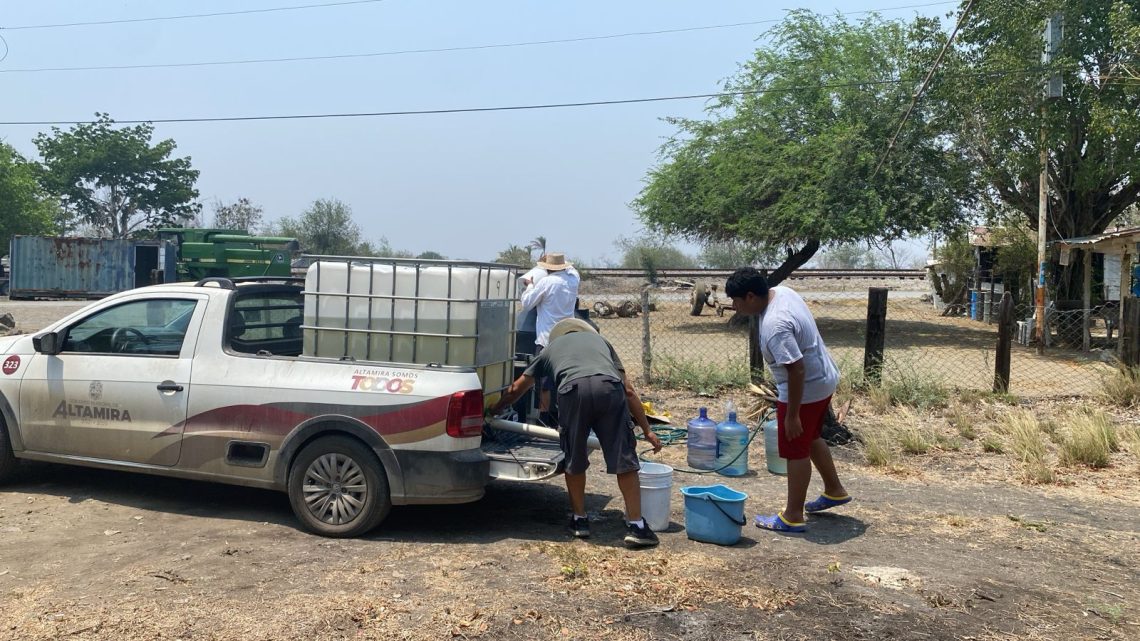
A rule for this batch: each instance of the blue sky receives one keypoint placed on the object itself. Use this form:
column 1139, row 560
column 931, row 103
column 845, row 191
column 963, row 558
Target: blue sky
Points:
column 466, row 185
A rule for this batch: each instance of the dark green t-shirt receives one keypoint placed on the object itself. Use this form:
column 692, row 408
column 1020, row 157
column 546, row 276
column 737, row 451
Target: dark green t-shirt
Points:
column 576, row 355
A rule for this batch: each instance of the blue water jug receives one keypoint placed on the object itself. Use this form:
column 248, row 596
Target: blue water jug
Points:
column 702, row 441
column 732, row 446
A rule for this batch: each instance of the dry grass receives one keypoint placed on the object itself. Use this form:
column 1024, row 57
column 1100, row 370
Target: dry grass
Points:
column 879, row 448
column 914, row 440
column 1130, row 439
column 992, row 444
column 1091, row 440
column 1027, row 441
column 962, row 420
column 1121, row 387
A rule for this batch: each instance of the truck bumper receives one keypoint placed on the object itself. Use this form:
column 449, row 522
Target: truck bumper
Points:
column 442, row 477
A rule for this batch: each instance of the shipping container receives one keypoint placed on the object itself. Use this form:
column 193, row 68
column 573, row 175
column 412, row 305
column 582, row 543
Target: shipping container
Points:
column 53, row 267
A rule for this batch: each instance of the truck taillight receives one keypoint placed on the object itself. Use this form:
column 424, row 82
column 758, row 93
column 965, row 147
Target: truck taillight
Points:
column 465, row 414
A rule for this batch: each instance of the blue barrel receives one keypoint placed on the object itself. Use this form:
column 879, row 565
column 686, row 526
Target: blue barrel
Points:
column 974, row 305
column 714, row 513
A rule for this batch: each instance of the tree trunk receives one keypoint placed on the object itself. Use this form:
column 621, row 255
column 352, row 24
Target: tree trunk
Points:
column 794, row 261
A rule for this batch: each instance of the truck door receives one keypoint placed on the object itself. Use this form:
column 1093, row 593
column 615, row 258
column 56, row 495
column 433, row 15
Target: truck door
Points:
column 118, row 390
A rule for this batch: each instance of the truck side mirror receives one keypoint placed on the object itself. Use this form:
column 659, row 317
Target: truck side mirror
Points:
column 50, row 343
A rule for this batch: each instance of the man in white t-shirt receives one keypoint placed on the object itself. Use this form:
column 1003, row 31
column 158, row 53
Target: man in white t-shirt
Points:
column 555, row 297
column 806, row 378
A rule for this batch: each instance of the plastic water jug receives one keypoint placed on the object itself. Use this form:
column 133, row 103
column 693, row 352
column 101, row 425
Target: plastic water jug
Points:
column 776, row 465
column 732, row 445
column 702, row 442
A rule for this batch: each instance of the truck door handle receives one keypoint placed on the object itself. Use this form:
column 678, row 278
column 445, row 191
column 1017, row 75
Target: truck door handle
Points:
column 169, row 386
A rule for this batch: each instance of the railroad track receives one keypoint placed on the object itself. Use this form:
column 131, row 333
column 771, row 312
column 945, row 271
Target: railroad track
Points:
column 799, row 274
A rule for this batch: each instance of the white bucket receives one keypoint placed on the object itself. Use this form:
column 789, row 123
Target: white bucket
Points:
column 656, row 495
column 776, row 465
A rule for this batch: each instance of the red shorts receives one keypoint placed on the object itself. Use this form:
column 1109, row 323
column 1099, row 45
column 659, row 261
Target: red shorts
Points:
column 811, row 417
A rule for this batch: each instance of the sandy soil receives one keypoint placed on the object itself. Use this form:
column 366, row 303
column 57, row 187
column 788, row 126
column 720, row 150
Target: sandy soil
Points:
column 926, row 552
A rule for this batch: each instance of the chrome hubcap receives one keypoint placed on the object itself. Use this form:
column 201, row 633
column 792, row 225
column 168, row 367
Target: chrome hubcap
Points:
column 335, row 489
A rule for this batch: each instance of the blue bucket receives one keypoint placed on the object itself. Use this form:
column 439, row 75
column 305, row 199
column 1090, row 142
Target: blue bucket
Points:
column 714, row 513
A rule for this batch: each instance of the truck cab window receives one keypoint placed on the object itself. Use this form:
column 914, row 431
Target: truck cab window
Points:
column 154, row 327
column 267, row 321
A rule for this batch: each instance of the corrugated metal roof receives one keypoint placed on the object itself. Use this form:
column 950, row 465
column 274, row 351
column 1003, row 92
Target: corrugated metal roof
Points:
column 1116, row 234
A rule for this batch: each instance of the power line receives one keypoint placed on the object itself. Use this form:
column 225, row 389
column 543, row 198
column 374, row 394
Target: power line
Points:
column 377, row 54
column 922, row 88
column 188, row 16
column 530, row 107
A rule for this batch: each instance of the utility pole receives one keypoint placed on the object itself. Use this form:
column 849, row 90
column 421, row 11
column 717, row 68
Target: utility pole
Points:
column 1054, row 86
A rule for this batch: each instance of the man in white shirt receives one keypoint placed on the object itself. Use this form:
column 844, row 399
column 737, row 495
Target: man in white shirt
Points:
column 806, row 377
column 555, row 297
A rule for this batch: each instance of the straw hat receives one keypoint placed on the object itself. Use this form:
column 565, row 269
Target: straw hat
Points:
column 554, row 262
column 569, row 326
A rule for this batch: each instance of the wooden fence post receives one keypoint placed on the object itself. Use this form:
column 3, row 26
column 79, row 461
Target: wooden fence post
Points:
column 755, row 356
column 646, row 344
column 1004, row 345
column 876, row 334
column 1129, row 331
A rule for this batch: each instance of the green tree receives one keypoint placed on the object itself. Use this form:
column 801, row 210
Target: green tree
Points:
column 539, row 244
column 243, row 215
column 788, row 162
column 730, row 255
column 326, row 228
column 24, row 207
column 652, row 254
column 430, row 255
column 992, row 90
column 515, row 255
column 848, row 256
column 114, row 180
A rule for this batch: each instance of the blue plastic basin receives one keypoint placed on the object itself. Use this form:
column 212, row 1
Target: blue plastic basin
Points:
column 714, row 513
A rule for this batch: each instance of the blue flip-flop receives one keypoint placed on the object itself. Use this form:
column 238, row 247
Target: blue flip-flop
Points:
column 825, row 502
column 777, row 523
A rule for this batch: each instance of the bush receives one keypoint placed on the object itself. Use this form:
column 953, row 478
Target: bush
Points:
column 1091, row 439
column 699, row 376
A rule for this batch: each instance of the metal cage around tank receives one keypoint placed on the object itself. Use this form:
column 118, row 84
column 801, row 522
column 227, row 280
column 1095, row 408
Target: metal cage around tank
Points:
column 373, row 309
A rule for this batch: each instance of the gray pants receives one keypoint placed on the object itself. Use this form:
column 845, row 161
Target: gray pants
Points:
column 597, row 403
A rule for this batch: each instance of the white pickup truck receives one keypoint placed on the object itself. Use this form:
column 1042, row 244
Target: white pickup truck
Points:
column 206, row 381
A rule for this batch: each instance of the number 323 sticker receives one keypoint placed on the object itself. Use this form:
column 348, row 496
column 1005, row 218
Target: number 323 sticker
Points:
column 11, row 364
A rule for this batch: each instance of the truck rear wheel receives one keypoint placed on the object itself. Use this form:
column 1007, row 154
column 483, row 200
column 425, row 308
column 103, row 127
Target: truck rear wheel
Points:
column 8, row 460
column 338, row 488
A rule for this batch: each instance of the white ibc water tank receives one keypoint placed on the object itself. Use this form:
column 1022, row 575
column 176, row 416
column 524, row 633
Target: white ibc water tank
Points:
column 409, row 314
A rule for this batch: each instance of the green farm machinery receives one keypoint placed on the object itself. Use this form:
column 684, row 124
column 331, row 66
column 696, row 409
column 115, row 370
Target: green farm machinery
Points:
column 205, row 253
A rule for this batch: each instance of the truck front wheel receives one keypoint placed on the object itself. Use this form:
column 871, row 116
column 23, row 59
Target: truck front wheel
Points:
column 338, row 488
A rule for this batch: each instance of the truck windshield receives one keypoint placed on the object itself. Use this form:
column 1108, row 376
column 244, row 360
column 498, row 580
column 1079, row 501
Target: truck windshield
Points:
column 267, row 322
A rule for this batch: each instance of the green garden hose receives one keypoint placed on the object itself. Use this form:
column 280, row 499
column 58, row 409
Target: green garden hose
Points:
column 676, row 435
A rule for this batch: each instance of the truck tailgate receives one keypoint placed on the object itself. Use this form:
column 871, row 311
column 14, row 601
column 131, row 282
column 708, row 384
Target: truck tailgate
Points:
column 517, row 457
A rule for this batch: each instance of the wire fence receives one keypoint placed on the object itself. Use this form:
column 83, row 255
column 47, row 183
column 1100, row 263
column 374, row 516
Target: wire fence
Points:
column 924, row 346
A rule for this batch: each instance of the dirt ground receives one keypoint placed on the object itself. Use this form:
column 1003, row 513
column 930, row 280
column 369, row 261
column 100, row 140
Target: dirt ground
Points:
column 944, row 546
column 952, row 543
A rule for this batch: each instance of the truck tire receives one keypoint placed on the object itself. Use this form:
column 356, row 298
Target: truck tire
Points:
column 8, row 460
column 699, row 298
column 338, row 488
